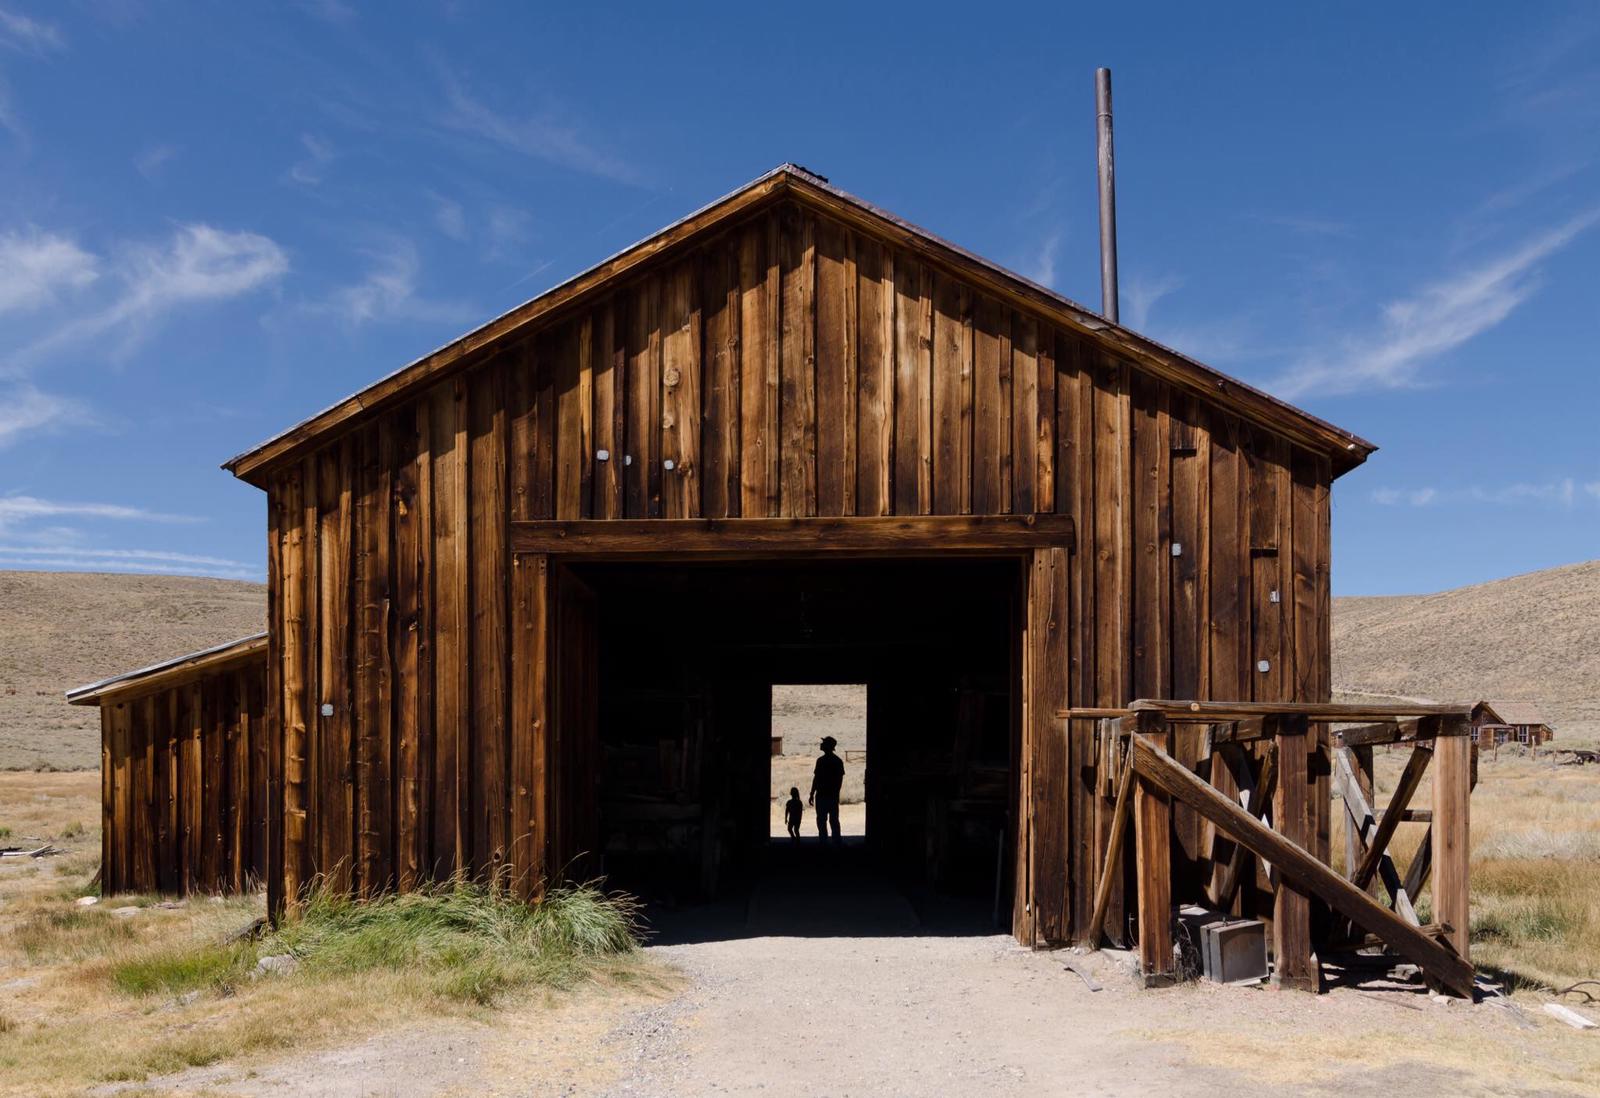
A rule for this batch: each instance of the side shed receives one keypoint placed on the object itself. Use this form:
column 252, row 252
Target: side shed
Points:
column 183, row 771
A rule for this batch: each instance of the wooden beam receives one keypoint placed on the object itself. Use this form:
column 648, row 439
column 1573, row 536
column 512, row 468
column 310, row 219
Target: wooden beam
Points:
column 1363, row 828
column 1410, row 778
column 1204, row 712
column 1260, row 795
column 1294, row 861
column 1293, row 964
column 878, row 533
column 1452, row 788
column 1387, row 732
column 1119, row 827
column 1152, row 834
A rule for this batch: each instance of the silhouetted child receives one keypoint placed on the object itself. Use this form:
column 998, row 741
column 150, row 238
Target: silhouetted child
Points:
column 793, row 811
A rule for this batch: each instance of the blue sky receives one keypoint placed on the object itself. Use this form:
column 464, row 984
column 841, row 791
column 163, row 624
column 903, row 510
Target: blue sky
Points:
column 216, row 219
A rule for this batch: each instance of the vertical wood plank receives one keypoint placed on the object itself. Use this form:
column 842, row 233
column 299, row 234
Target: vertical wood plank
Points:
column 412, row 643
column 719, row 425
column 571, row 346
column 913, row 395
column 487, row 481
column 529, row 723
column 641, row 456
column 336, row 808
column 952, row 397
column 875, row 369
column 1152, row 829
column 990, row 492
column 609, row 357
column 451, row 597
column 1452, row 788
column 1293, row 965
column 1111, row 525
column 758, row 367
column 797, row 412
column 836, row 371
column 680, row 392
column 295, row 662
column 273, row 805
column 1024, row 413
column 1047, row 632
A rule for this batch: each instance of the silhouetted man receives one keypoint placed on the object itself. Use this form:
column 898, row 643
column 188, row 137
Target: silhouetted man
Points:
column 826, row 781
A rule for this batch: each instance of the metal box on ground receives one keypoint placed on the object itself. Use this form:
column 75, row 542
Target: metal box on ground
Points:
column 1234, row 951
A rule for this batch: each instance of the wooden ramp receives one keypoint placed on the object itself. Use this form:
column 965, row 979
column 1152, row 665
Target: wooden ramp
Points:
column 1269, row 752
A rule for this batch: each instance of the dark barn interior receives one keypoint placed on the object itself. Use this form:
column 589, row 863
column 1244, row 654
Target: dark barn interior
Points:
column 685, row 658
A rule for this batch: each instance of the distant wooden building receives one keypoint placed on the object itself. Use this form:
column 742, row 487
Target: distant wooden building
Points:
column 184, row 744
column 528, row 595
column 1504, row 721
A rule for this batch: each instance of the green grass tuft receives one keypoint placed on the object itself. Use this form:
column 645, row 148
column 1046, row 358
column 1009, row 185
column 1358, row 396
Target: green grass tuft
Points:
column 471, row 942
column 177, row 971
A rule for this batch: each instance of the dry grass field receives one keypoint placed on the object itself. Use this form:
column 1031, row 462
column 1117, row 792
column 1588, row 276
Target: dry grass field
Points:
column 133, row 987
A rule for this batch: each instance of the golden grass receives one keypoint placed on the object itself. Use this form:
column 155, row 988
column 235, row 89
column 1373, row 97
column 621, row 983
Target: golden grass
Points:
column 88, row 996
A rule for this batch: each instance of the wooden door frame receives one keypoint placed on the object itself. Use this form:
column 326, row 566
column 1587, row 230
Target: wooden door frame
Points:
column 1041, row 542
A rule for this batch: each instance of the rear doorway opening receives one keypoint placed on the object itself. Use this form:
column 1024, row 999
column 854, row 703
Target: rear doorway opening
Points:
column 811, row 721
column 699, row 667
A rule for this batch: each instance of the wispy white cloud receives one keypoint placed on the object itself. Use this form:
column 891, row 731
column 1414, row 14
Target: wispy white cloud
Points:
column 152, row 160
column 1563, row 492
column 16, row 509
column 389, row 291
column 1411, row 497
column 310, row 169
column 1309, row 226
column 544, row 135
column 1441, row 317
column 200, row 263
column 156, row 556
column 25, row 409
column 22, row 32
column 1140, row 296
column 169, row 564
column 1041, row 265
column 450, row 216
column 35, row 267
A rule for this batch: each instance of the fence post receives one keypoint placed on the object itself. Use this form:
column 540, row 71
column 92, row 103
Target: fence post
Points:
column 1291, row 818
column 1152, row 826
column 1452, row 793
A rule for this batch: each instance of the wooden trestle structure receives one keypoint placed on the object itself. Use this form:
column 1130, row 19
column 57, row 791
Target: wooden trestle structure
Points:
column 1267, row 753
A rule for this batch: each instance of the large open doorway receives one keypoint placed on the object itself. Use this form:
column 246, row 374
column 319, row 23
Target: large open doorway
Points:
column 686, row 661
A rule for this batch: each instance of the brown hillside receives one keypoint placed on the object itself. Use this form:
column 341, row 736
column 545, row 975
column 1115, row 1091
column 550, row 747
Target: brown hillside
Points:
column 1534, row 637
column 63, row 629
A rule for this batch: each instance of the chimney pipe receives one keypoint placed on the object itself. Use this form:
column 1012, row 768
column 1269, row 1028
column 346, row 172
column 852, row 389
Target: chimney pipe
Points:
column 1108, row 196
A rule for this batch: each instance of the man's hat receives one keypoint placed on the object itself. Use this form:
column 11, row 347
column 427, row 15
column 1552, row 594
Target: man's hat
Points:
column 829, row 741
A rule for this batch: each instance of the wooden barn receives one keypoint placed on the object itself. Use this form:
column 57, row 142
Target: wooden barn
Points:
column 530, row 593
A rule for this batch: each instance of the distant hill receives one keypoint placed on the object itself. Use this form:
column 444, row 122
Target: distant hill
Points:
column 63, row 629
column 1534, row 637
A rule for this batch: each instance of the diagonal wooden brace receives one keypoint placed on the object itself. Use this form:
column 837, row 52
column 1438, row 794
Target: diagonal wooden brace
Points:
column 1442, row 965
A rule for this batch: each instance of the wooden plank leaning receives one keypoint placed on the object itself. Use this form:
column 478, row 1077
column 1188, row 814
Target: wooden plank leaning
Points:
column 1292, row 860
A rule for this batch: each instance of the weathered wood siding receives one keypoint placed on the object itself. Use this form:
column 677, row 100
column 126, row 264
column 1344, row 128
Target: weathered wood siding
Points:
column 185, row 803
column 789, row 366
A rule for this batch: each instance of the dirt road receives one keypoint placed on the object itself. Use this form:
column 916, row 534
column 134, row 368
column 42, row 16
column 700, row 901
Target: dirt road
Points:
column 948, row 1016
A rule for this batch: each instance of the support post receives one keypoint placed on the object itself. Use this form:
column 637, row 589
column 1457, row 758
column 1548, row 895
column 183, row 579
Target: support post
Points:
column 1291, row 910
column 1152, row 825
column 1355, row 846
column 1452, row 795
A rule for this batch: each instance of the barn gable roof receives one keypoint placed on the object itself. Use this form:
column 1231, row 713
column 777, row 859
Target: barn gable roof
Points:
column 1344, row 449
